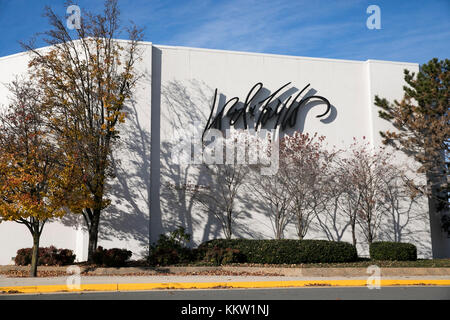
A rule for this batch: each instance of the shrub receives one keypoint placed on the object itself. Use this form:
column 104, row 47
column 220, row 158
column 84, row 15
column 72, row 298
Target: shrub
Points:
column 288, row 251
column 219, row 256
column 65, row 256
column 165, row 256
column 50, row 256
column 172, row 249
column 114, row 257
column 396, row 251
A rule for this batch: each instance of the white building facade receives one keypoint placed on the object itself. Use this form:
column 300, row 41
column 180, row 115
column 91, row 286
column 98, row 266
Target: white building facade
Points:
column 148, row 194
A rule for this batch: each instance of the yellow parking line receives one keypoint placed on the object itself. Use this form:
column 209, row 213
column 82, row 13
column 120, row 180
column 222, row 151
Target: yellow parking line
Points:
column 218, row 285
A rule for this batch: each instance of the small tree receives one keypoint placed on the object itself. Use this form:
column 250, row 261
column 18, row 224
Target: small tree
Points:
column 226, row 179
column 220, row 195
column 365, row 171
column 273, row 190
column 335, row 217
column 348, row 195
column 303, row 163
column 34, row 172
column 87, row 80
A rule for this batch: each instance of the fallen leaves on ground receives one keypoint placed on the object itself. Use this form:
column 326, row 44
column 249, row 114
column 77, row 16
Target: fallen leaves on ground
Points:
column 46, row 274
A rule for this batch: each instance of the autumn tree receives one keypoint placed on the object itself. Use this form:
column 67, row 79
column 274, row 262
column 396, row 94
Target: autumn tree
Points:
column 421, row 120
column 35, row 173
column 88, row 76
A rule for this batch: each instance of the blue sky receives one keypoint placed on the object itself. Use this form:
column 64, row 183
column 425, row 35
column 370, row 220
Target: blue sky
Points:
column 411, row 31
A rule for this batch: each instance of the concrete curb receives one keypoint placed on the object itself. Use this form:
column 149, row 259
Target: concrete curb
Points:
column 220, row 285
column 282, row 271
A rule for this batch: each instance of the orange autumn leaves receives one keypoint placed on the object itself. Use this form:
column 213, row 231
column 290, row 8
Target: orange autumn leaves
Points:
column 35, row 175
column 28, row 187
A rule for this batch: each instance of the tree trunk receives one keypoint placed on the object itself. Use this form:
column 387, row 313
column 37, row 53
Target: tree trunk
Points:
column 353, row 224
column 228, row 233
column 35, row 255
column 436, row 209
column 229, row 225
column 435, row 228
column 279, row 232
column 300, row 228
column 93, row 234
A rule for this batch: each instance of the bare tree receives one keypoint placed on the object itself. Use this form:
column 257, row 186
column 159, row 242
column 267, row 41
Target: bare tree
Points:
column 368, row 188
column 304, row 164
column 346, row 192
column 273, row 190
column 225, row 181
column 334, row 220
column 219, row 196
column 365, row 171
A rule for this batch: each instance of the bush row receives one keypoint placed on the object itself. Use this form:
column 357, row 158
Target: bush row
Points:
column 170, row 250
column 287, row 251
column 52, row 256
column 394, row 251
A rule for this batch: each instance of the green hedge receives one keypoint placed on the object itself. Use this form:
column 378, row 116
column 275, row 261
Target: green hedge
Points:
column 287, row 251
column 395, row 251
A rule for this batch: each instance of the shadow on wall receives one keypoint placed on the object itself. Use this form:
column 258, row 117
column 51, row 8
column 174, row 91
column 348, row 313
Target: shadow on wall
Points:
column 127, row 217
column 176, row 105
column 407, row 224
column 331, row 222
column 410, row 223
column 182, row 105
